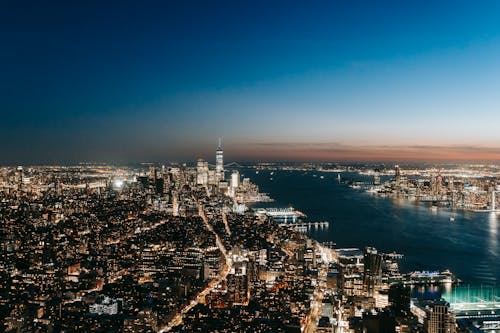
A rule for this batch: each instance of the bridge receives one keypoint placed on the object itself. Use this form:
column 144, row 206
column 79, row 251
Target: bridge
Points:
column 229, row 165
column 233, row 164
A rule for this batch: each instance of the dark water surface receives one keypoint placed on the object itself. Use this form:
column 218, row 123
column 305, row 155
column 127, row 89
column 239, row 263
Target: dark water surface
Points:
column 429, row 240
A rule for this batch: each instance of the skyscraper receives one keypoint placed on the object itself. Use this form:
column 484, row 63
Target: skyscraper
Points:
column 152, row 173
column 235, row 179
column 376, row 178
column 234, row 183
column 439, row 319
column 19, row 176
column 400, row 298
column 373, row 270
column 202, row 172
column 397, row 176
column 219, row 162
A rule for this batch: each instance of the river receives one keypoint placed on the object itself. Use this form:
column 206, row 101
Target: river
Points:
column 467, row 244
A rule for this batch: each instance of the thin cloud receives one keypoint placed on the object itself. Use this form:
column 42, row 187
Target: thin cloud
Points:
column 334, row 151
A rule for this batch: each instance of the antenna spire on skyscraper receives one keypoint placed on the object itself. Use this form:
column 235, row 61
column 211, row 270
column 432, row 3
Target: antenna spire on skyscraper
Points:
column 219, row 162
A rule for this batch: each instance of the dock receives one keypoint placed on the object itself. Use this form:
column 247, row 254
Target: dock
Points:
column 306, row 226
column 281, row 215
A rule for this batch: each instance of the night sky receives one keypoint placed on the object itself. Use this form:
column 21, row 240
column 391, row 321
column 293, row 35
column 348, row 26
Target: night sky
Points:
column 335, row 80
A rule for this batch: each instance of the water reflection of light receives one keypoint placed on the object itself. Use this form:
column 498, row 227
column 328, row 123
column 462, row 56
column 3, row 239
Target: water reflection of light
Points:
column 400, row 201
column 493, row 223
column 447, row 288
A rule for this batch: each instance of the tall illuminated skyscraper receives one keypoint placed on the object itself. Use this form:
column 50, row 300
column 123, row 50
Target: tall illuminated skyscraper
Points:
column 397, row 175
column 373, row 270
column 440, row 319
column 202, row 172
column 219, row 162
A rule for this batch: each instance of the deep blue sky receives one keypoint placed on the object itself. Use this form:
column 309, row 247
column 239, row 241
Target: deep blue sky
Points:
column 134, row 81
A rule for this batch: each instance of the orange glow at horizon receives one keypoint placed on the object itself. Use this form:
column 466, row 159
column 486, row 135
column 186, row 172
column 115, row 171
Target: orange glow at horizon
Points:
column 334, row 152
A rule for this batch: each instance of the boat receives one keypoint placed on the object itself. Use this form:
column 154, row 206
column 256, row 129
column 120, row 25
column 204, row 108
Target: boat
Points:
column 452, row 219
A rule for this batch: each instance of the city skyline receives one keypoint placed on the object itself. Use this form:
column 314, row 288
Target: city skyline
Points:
column 250, row 166
column 319, row 82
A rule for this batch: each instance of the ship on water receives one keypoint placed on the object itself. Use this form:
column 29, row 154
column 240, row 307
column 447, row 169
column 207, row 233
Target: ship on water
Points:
column 290, row 216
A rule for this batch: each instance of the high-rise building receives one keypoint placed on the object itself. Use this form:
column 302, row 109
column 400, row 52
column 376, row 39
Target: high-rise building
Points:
column 234, row 183
column 397, row 175
column 373, row 270
column 19, row 176
column 400, row 298
column 152, row 172
column 219, row 162
column 235, row 179
column 202, row 172
column 237, row 288
column 175, row 204
column 439, row 319
column 159, row 185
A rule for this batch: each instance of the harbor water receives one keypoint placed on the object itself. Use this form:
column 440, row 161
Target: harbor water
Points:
column 466, row 243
